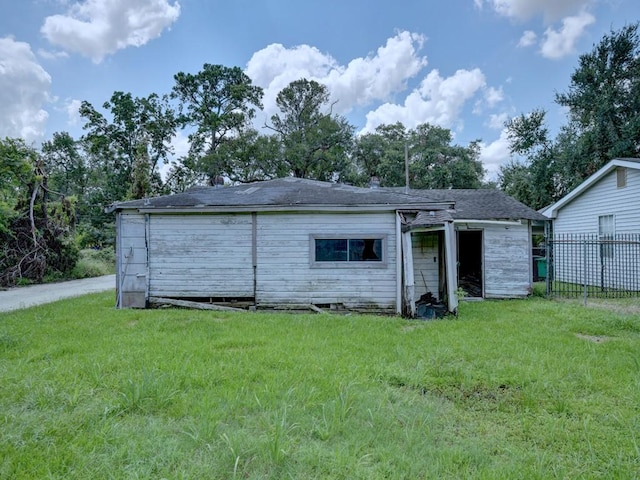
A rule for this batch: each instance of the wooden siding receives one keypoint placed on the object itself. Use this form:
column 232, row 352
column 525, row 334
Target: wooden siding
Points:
column 131, row 260
column 200, row 256
column 285, row 274
column 426, row 263
column 603, row 198
column 507, row 260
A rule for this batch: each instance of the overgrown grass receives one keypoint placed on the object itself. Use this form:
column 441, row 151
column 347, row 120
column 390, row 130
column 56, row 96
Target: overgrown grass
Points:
column 511, row 389
column 94, row 263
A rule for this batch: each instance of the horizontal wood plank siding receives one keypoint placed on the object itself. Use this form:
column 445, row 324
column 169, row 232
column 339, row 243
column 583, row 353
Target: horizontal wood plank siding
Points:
column 507, row 260
column 200, row 256
column 603, row 198
column 285, row 274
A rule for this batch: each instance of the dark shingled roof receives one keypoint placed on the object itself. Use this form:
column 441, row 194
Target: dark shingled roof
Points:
column 483, row 204
column 472, row 204
column 283, row 192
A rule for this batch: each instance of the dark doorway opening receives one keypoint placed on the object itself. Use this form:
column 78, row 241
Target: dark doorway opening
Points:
column 470, row 262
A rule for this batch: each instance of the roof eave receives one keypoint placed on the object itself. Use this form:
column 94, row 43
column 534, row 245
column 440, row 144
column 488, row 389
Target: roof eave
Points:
column 552, row 210
column 283, row 208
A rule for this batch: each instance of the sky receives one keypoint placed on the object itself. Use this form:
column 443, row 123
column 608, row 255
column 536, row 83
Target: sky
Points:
column 465, row 65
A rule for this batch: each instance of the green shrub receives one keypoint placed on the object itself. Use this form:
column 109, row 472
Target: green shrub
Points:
column 95, row 262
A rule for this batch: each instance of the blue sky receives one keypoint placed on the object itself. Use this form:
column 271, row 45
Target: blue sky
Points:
column 466, row 65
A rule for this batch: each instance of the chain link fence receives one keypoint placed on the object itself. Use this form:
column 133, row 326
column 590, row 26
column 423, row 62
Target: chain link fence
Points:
column 592, row 265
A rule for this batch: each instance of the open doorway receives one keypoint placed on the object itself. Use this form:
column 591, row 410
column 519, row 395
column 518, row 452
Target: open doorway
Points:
column 470, row 262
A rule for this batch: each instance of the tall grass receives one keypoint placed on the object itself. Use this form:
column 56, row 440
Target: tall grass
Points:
column 511, row 389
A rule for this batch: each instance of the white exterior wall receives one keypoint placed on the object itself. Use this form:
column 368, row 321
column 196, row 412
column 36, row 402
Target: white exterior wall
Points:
column 285, row 274
column 506, row 260
column 603, row 198
column 200, row 255
column 581, row 262
column 131, row 261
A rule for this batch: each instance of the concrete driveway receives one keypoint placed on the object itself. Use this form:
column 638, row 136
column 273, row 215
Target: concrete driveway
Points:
column 23, row 297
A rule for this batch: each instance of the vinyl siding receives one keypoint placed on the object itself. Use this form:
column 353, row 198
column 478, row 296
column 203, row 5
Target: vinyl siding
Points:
column 603, row 198
column 581, row 262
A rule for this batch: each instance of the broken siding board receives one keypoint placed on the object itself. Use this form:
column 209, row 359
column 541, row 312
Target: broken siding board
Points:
column 285, row 274
column 201, row 255
column 507, row 261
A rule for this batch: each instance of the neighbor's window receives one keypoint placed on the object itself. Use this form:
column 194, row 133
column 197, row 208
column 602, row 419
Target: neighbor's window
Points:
column 606, row 232
column 348, row 249
column 621, row 174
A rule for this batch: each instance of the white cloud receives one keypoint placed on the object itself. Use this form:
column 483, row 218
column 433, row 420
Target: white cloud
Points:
column 557, row 44
column 73, row 111
column 494, row 154
column 493, row 96
column 24, row 90
column 437, row 101
column 363, row 81
column 528, row 38
column 497, row 120
column 551, row 10
column 52, row 55
column 97, row 28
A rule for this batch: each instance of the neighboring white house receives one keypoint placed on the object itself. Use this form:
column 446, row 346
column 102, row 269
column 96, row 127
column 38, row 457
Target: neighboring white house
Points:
column 291, row 242
column 599, row 221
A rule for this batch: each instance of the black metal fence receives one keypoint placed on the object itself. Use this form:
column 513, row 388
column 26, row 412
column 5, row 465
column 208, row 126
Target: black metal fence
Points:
column 593, row 265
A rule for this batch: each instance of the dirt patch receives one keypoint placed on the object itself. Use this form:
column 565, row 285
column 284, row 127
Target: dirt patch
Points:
column 593, row 338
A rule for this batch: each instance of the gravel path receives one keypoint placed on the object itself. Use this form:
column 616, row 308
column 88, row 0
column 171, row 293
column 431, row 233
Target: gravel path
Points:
column 23, row 297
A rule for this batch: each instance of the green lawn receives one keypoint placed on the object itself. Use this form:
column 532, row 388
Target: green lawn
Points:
column 511, row 389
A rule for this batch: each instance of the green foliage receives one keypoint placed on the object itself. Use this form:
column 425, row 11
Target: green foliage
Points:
column 315, row 142
column 433, row 161
column 36, row 235
column 508, row 389
column 604, row 97
column 603, row 102
column 94, row 262
column 218, row 103
column 126, row 152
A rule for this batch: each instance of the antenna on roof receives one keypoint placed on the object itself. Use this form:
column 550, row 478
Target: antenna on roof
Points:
column 406, row 167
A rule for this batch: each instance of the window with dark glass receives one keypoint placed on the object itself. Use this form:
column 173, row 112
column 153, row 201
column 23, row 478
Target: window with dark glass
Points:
column 348, row 250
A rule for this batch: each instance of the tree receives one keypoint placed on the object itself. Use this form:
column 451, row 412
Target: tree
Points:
column 543, row 183
column 381, row 154
column 314, row 141
column 36, row 235
column 251, row 157
column 128, row 150
column 66, row 164
column 218, row 103
column 604, row 100
column 433, row 161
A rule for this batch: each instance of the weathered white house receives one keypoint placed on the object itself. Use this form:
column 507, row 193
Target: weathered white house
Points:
column 600, row 222
column 292, row 242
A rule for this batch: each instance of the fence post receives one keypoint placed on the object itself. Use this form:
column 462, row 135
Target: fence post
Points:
column 585, row 271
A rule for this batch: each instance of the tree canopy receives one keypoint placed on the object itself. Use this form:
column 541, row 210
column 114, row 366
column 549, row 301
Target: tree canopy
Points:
column 603, row 105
